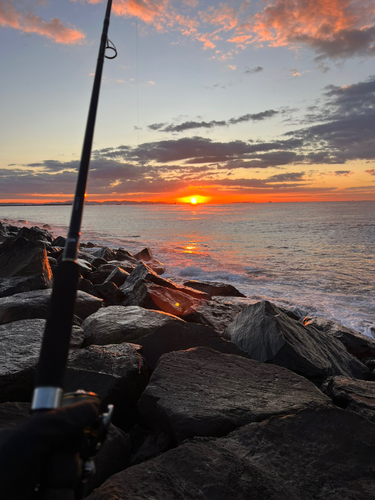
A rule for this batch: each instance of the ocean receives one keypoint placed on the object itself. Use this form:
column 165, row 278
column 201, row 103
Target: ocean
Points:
column 314, row 258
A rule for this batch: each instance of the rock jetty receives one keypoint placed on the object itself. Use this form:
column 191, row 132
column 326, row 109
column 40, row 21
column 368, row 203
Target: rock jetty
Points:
column 217, row 396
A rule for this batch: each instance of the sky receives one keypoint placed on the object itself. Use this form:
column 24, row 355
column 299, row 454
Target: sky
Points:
column 234, row 101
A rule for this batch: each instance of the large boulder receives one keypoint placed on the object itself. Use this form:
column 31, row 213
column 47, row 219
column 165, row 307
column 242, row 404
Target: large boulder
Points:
column 143, row 273
column 202, row 392
column 19, row 284
column 116, row 372
column 21, row 257
column 117, row 324
column 218, row 313
column 180, row 336
column 109, row 292
column 104, row 253
column 35, row 234
column 357, row 344
column 354, row 395
column 214, row 288
column 34, row 304
column 268, row 335
column 20, row 343
column 314, row 454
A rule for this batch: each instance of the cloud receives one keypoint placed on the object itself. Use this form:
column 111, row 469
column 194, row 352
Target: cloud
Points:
column 224, row 16
column 189, row 125
column 251, row 71
column 332, row 28
column 371, row 172
column 27, row 22
column 343, row 173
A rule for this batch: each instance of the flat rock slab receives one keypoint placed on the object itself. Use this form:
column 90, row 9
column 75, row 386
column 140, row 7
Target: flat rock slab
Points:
column 357, row 344
column 268, row 335
column 20, row 343
column 214, row 288
column 315, row 454
column 116, row 372
column 180, row 336
column 117, row 324
column 354, row 395
column 34, row 304
column 201, row 392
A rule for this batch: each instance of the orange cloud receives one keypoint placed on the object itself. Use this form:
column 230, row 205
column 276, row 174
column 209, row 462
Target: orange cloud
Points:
column 224, row 16
column 30, row 23
column 316, row 23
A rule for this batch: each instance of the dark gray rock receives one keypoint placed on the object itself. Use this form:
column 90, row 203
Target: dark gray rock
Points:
column 20, row 257
column 117, row 276
column 104, row 253
column 117, row 324
column 214, row 288
column 84, row 268
column 150, row 445
column 34, row 234
column 110, row 293
column 60, row 241
column 117, row 373
column 142, row 273
column 217, row 313
column 34, row 304
column 20, row 343
column 268, row 335
column 180, row 336
column 357, row 396
column 97, row 262
column 156, row 266
column 20, row 284
column 122, row 254
column 201, row 392
column 145, row 254
column 357, row 344
column 314, row 454
column 100, row 275
column 125, row 265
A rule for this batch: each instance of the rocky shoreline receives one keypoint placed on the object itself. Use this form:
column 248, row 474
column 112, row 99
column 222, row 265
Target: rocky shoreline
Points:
column 217, row 396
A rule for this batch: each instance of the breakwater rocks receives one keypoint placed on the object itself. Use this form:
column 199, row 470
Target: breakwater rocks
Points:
column 217, row 396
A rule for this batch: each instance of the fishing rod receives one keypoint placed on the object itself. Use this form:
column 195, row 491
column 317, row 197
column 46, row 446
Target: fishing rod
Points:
column 49, row 382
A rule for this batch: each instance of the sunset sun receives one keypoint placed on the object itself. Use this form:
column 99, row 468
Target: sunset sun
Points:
column 193, row 200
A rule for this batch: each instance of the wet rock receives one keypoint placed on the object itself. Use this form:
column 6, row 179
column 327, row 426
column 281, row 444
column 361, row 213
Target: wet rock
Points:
column 150, row 446
column 19, row 284
column 20, row 343
column 156, row 266
column 100, row 275
column 268, row 335
column 357, row 396
column 181, row 336
column 125, row 265
column 117, row 373
column 117, row 324
column 142, row 273
column 166, row 299
column 357, row 344
column 122, row 254
column 34, row 304
column 214, row 288
column 216, row 313
column 21, row 257
column 145, row 254
column 314, row 454
column 201, row 392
